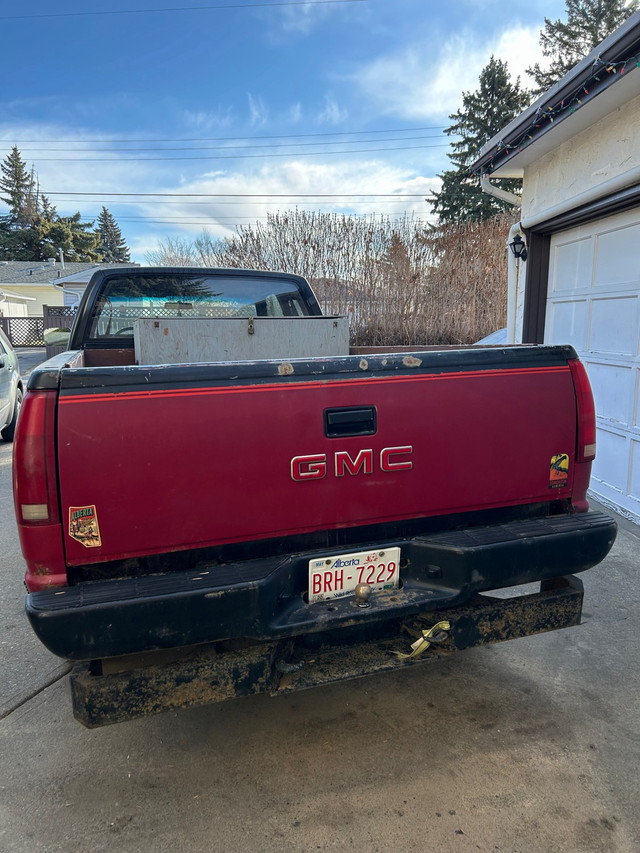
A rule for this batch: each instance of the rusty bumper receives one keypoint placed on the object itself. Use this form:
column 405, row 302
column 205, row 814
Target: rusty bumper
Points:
column 119, row 689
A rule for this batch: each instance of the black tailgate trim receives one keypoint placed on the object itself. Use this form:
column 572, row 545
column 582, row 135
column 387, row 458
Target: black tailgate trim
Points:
column 91, row 380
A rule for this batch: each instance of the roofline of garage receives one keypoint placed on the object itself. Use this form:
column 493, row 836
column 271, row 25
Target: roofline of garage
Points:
column 579, row 87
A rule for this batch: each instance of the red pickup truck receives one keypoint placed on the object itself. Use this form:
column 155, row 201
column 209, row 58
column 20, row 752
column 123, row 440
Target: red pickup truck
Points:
column 274, row 523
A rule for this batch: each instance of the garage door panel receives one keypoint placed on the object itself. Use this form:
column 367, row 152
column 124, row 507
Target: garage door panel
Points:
column 611, row 464
column 572, row 265
column 636, row 397
column 634, row 479
column 613, row 326
column 615, row 265
column 612, row 386
column 569, row 323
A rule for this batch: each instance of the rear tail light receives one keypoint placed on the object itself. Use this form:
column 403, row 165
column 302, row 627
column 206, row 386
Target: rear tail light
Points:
column 586, row 449
column 34, row 469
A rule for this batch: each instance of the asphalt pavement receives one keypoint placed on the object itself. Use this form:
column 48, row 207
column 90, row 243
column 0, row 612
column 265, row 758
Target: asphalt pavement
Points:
column 531, row 746
column 30, row 357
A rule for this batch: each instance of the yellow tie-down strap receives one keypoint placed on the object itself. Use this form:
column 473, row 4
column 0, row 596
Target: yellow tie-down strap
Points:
column 427, row 637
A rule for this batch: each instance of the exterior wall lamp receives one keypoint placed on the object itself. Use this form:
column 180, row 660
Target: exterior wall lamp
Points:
column 519, row 248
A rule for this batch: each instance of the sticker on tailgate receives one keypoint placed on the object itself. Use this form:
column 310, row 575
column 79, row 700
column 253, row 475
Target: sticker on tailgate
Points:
column 83, row 526
column 559, row 471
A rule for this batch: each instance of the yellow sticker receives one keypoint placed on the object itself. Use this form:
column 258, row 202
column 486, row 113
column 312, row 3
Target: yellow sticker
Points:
column 559, row 471
column 83, row 526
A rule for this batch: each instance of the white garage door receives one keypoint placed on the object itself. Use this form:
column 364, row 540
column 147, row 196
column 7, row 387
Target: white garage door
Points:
column 594, row 304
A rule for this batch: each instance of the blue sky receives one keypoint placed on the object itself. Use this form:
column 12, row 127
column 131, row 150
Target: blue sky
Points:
column 248, row 108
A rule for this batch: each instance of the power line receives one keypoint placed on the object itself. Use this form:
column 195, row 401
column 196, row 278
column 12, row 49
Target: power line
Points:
column 185, row 216
column 239, row 138
column 218, row 203
column 176, row 9
column 238, row 195
column 233, row 156
column 214, row 219
column 415, row 215
column 235, row 147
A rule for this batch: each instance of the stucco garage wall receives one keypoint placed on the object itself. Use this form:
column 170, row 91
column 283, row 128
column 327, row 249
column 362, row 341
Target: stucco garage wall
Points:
column 606, row 150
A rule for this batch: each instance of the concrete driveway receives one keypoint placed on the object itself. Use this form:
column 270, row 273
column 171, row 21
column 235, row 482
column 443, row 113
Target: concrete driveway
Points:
column 29, row 357
column 532, row 745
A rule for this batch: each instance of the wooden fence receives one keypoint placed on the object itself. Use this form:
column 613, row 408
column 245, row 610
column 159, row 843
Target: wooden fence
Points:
column 29, row 331
column 23, row 331
column 58, row 317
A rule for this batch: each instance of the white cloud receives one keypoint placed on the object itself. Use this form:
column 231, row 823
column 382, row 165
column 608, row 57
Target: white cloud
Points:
column 302, row 19
column 206, row 120
column 294, row 177
column 67, row 167
column 332, row 113
column 287, row 23
column 258, row 112
column 420, row 82
column 145, row 221
column 295, row 113
column 520, row 49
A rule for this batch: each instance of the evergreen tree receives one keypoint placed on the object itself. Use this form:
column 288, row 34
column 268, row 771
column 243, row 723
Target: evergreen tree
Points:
column 47, row 209
column 33, row 230
column 9, row 241
column 112, row 244
column 46, row 236
column 483, row 114
column 565, row 43
column 77, row 239
column 19, row 188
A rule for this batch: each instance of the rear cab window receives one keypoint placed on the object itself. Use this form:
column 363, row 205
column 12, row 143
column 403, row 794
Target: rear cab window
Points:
column 123, row 299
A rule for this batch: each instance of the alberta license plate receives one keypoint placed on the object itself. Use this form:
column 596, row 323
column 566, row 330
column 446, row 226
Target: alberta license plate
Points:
column 335, row 577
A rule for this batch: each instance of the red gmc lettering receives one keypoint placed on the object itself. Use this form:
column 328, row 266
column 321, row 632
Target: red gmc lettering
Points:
column 387, row 462
column 314, row 466
column 364, row 460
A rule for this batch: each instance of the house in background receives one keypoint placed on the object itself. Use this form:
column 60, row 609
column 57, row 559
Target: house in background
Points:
column 32, row 280
column 14, row 304
column 44, row 282
column 73, row 285
column 577, row 150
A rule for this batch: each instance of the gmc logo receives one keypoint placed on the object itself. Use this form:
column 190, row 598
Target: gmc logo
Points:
column 315, row 465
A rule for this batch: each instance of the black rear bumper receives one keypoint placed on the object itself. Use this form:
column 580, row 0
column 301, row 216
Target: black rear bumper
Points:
column 117, row 689
column 266, row 599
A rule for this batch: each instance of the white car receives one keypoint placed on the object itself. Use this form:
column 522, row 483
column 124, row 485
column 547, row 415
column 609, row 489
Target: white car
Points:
column 11, row 389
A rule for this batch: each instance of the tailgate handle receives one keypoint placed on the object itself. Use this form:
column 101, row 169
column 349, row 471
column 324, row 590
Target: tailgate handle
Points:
column 352, row 420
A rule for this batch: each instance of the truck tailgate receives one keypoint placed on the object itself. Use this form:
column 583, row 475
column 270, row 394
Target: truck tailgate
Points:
column 160, row 459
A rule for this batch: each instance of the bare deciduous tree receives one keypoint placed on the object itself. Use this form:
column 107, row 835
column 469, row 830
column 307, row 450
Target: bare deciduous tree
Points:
column 400, row 283
column 174, row 252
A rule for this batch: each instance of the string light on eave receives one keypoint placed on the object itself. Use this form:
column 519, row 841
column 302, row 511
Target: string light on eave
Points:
column 569, row 104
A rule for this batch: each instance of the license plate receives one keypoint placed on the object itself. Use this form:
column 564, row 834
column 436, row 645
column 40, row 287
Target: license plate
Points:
column 335, row 577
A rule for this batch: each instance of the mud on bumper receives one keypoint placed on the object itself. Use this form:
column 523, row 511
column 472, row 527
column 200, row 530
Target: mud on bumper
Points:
column 120, row 689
